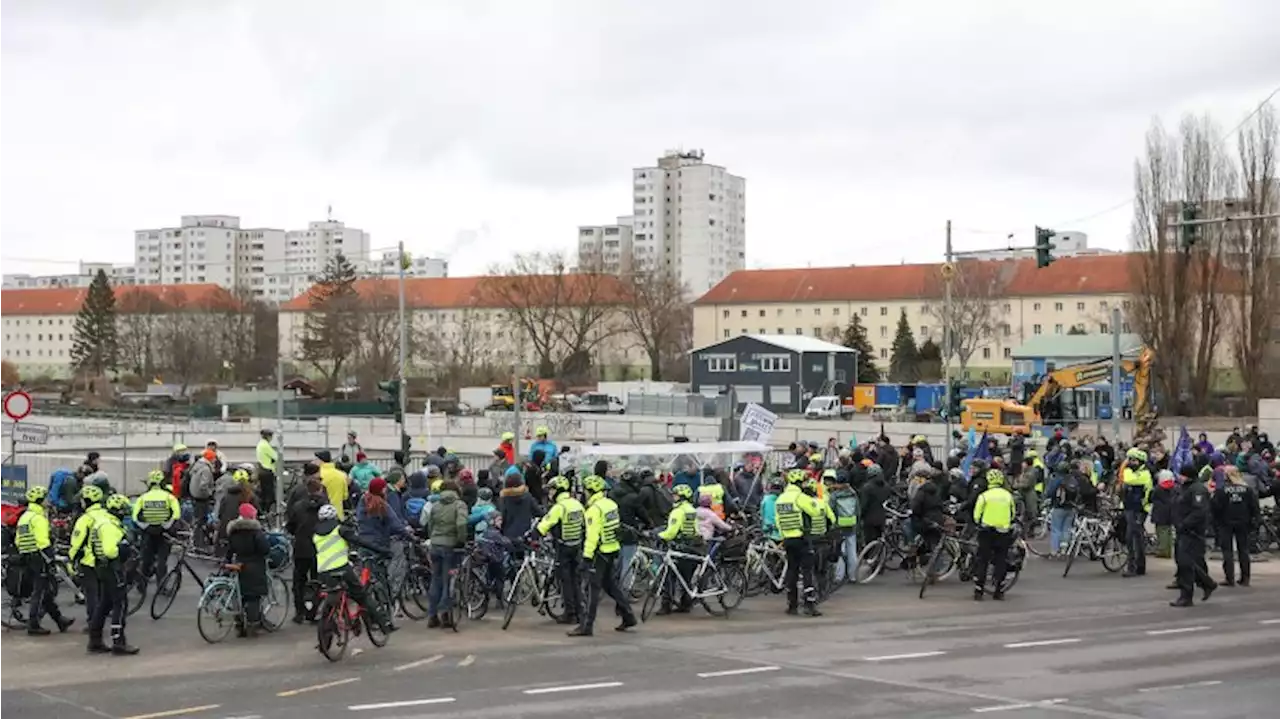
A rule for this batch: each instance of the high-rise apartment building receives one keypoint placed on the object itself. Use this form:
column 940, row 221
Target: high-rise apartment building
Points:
column 386, row 266
column 690, row 219
column 607, row 248
column 83, row 277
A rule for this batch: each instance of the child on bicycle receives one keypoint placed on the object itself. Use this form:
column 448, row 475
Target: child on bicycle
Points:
column 247, row 545
column 496, row 548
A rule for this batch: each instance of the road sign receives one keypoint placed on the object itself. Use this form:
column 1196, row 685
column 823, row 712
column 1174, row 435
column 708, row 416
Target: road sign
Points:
column 756, row 424
column 30, row 433
column 13, row 483
column 948, row 270
column 17, row 404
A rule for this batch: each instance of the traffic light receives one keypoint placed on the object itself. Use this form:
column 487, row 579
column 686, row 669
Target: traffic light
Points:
column 1044, row 248
column 957, row 401
column 392, row 388
column 1188, row 234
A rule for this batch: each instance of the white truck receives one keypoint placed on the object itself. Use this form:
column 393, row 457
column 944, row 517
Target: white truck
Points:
column 477, row 399
column 827, row 407
column 598, row 403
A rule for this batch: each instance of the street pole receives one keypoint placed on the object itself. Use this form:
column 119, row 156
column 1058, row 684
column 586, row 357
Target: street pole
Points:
column 515, row 410
column 279, row 431
column 404, row 350
column 946, row 343
column 1115, row 373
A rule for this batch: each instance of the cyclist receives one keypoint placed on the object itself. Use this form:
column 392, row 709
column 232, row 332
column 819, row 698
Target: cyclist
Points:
column 795, row 510
column 994, row 514
column 111, row 550
column 333, row 541
column 154, row 514
column 565, row 518
column 600, row 554
column 820, row 523
column 682, row 529
column 80, row 555
column 36, row 548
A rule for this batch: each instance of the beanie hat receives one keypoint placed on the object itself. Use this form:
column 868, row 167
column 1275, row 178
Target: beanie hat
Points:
column 248, row 511
column 378, row 486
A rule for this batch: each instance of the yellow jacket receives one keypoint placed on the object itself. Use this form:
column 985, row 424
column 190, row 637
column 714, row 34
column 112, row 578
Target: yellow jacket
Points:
column 81, row 550
column 335, row 485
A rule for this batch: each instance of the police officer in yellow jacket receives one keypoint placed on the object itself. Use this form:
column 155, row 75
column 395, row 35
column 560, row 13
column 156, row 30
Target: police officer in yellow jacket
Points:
column 565, row 521
column 682, row 532
column 1136, row 499
column 154, row 514
column 36, row 549
column 80, row 555
column 993, row 514
column 600, row 554
column 110, row 550
column 796, row 513
column 819, row 525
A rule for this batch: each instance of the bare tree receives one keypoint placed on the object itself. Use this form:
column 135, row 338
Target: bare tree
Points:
column 1253, row 248
column 656, row 315
column 464, row 352
column 975, row 317
column 377, row 354
column 139, row 315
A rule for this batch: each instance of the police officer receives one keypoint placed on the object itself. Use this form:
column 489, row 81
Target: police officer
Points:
column 1136, row 498
column 80, row 554
column 1192, row 517
column 1235, row 508
column 993, row 513
column 36, row 549
column 565, row 521
column 819, row 524
column 682, row 529
column 154, row 514
column 796, row 512
column 110, row 552
column 267, row 458
column 600, row 553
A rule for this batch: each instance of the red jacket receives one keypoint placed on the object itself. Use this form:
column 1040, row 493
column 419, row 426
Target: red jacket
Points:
column 178, row 469
column 508, row 451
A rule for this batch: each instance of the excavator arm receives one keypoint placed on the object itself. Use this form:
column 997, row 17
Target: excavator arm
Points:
column 1088, row 373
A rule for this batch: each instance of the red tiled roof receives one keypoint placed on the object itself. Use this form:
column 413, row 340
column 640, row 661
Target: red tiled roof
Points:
column 67, row 300
column 482, row 292
column 1107, row 274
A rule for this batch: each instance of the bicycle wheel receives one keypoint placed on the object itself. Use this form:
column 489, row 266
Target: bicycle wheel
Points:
column 734, row 575
column 1073, row 549
column 275, row 606
column 652, row 595
column 217, row 613
column 871, row 560
column 331, row 630
column 166, row 592
column 476, row 592
column 1114, row 554
column 414, row 592
column 929, row 574
column 137, row 594
column 457, row 600
column 641, row 576
column 514, row 596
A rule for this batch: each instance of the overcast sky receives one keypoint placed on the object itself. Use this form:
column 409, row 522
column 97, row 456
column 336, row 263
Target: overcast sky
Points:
column 861, row 127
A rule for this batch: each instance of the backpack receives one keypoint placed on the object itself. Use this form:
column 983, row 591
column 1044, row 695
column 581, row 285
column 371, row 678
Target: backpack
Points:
column 56, row 481
column 661, row 499
column 1069, row 490
column 413, row 511
column 846, row 508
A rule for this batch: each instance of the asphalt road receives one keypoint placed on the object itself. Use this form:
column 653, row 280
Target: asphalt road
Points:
column 1092, row 644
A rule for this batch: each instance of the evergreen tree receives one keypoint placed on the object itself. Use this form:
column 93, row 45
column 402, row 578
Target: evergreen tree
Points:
column 930, row 361
column 331, row 327
column 904, row 358
column 93, row 349
column 855, row 338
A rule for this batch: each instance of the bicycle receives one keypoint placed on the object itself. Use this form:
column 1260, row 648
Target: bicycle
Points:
column 171, row 582
column 340, row 618
column 221, row 606
column 947, row 548
column 890, row 545
column 1100, row 539
column 705, row 573
column 535, row 582
column 414, row 585
column 766, row 567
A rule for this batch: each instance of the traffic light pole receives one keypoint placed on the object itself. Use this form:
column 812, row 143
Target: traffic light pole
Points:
column 404, row 352
column 948, row 274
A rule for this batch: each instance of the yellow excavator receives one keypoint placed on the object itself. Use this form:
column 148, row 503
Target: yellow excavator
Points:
column 1006, row 416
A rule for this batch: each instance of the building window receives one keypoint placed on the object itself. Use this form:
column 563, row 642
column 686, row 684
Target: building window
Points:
column 884, row 353
column 835, row 311
column 817, row 311
column 1006, row 329
column 1006, row 308
column 1036, row 307
column 1035, row 329
column 986, row 353
column 924, row 331
column 781, row 332
column 779, row 312
column 863, row 311
column 1124, row 327
column 763, row 332
column 817, row 331
column 884, row 311
column 1057, row 306
column 722, row 363
column 775, row 363
column 744, row 313
column 1104, row 328
column 1080, row 307
column 762, row 313
column 726, row 314
column 1102, row 304
column 726, row 333
column 884, row 331
column 1057, row 329
column 1007, row 352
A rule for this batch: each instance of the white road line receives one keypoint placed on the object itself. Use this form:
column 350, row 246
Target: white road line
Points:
column 420, row 662
column 1043, row 643
column 1022, row 705
column 1177, row 630
column 573, row 688
column 891, row 657
column 1270, row 621
column 247, row 716
column 471, row 659
column 736, row 672
column 312, row 688
column 175, row 712
column 395, row 705
column 1170, row 687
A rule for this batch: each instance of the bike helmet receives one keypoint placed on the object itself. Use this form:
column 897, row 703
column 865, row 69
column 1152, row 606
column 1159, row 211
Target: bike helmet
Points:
column 437, row 485
column 830, row 473
column 118, row 504
column 541, row 432
column 240, row 475
column 91, row 494
column 155, row 478
column 594, row 484
column 796, row 476
column 36, row 494
column 682, row 491
column 508, row 436
column 327, row 512
column 559, row 484
column 995, row 478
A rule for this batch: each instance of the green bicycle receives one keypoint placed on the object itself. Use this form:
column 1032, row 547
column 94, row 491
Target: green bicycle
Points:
column 221, row 607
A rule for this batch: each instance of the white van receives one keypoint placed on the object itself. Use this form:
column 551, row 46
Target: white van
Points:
column 826, row 407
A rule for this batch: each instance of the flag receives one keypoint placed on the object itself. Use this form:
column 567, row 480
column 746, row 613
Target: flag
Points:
column 977, row 450
column 1182, row 452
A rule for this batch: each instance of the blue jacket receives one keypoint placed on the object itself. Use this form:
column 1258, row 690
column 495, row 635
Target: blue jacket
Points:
column 769, row 515
column 377, row 531
column 692, row 480
column 478, row 513
column 396, row 502
column 549, row 449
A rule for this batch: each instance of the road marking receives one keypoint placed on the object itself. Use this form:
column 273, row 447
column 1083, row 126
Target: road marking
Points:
column 395, row 705
column 303, row 690
column 891, row 657
column 1177, row 630
column 736, row 672
column 174, row 712
column 1043, row 643
column 471, row 659
column 1023, row 705
column 420, row 662
column 1169, row 687
column 246, row 716
column 1270, row 621
column 573, row 688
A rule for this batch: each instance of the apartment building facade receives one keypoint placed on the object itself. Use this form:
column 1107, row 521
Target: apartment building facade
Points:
column 387, row 265
column 1072, row 293
column 82, row 277
column 607, row 248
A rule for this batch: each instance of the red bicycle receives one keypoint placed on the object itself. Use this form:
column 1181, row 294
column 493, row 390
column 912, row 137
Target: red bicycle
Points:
column 341, row 617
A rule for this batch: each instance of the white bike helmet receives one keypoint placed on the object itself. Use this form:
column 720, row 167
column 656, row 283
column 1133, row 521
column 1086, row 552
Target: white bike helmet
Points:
column 327, row 512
